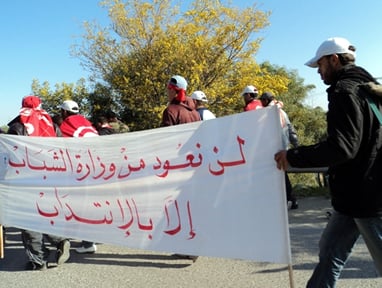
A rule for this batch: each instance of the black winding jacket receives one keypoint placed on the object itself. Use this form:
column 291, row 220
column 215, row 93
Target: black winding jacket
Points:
column 351, row 148
column 16, row 127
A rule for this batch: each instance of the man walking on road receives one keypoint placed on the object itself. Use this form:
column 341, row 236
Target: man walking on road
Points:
column 352, row 153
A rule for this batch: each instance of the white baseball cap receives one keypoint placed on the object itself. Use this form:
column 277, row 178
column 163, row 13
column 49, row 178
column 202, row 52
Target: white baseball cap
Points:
column 335, row 45
column 199, row 95
column 179, row 82
column 250, row 89
column 70, row 105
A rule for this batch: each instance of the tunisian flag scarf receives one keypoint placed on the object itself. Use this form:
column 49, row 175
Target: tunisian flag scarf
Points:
column 36, row 120
column 77, row 126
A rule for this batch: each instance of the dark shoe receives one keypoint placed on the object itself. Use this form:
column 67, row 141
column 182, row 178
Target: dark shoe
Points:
column 35, row 266
column 63, row 252
column 294, row 205
column 187, row 257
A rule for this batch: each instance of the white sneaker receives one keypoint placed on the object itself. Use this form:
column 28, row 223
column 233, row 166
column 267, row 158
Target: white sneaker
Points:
column 82, row 249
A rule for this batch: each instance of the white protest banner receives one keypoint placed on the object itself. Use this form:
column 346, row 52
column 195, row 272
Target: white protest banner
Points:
column 208, row 188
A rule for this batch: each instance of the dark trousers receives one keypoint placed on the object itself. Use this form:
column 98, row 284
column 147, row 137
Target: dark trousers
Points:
column 289, row 191
column 34, row 244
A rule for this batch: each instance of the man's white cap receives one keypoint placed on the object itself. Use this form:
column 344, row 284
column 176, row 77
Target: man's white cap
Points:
column 179, row 82
column 70, row 105
column 199, row 95
column 250, row 89
column 335, row 45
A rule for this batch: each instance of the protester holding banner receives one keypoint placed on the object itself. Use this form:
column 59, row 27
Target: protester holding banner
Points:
column 57, row 120
column 35, row 121
column 115, row 123
column 289, row 136
column 103, row 127
column 352, row 153
column 180, row 108
column 76, row 125
column 249, row 95
column 200, row 99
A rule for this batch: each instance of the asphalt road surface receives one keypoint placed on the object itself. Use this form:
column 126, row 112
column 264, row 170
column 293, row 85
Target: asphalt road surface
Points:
column 113, row 266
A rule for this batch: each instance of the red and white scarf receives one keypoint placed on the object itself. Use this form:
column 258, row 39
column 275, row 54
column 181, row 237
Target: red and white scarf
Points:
column 36, row 120
column 77, row 126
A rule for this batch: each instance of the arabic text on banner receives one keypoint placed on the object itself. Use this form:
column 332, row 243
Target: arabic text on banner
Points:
column 209, row 188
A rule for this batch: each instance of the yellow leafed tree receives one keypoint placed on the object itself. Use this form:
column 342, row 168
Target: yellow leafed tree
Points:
column 212, row 44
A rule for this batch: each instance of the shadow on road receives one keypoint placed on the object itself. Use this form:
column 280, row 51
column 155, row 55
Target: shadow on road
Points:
column 15, row 258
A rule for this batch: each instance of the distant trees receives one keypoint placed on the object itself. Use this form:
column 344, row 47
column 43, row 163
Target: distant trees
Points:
column 52, row 98
column 309, row 122
column 211, row 44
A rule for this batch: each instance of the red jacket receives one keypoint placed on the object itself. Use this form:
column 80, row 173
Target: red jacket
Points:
column 180, row 113
column 253, row 105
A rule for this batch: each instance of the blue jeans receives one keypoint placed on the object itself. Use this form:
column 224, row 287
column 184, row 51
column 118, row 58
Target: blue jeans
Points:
column 336, row 244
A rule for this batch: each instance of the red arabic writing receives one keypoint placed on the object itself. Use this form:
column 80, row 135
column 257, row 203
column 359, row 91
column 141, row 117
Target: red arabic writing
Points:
column 114, row 212
column 86, row 164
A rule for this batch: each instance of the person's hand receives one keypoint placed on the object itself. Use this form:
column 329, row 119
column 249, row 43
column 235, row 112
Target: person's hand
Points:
column 281, row 160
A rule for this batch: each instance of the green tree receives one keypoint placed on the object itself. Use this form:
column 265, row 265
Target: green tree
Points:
column 52, row 98
column 310, row 123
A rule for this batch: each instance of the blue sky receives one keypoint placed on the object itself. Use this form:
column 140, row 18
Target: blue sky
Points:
column 36, row 37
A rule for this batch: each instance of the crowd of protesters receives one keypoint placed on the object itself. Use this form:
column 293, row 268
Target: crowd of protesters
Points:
column 33, row 120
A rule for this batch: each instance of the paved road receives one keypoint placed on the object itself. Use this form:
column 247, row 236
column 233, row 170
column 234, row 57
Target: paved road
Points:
column 115, row 266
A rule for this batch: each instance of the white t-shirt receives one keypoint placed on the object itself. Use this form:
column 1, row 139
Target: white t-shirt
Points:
column 207, row 114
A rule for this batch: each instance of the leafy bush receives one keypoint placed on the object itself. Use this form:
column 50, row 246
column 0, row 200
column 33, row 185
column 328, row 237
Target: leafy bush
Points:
column 308, row 184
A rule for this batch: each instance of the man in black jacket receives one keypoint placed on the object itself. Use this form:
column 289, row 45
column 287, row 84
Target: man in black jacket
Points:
column 351, row 151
